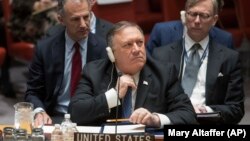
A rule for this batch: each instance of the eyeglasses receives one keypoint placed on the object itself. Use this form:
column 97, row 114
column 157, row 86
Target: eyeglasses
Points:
column 202, row 16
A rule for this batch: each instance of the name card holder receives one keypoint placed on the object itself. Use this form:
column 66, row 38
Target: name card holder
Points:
column 112, row 137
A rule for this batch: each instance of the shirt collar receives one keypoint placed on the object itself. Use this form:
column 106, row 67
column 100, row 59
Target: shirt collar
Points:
column 190, row 42
column 93, row 23
column 136, row 76
column 70, row 42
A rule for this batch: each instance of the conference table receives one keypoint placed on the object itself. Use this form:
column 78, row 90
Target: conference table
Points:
column 157, row 137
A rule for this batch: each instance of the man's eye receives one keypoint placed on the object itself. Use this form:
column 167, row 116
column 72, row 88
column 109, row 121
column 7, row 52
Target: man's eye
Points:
column 139, row 43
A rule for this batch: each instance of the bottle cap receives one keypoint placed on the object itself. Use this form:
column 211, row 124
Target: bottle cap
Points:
column 21, row 132
column 67, row 116
column 37, row 130
column 57, row 125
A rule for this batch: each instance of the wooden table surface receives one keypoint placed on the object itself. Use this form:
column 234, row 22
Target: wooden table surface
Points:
column 2, row 126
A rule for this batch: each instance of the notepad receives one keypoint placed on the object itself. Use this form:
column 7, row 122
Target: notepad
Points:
column 81, row 129
column 124, row 129
column 209, row 118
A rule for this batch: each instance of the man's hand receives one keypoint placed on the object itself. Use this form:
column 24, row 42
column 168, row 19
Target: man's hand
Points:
column 41, row 119
column 200, row 109
column 125, row 82
column 143, row 116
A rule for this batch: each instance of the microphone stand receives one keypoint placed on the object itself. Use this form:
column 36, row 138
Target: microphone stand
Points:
column 117, row 108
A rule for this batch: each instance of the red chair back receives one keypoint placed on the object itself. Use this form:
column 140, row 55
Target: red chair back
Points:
column 2, row 55
column 242, row 9
column 20, row 50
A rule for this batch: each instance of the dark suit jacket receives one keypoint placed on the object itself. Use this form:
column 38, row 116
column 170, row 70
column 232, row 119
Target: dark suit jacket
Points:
column 163, row 94
column 168, row 32
column 47, row 68
column 225, row 93
column 102, row 28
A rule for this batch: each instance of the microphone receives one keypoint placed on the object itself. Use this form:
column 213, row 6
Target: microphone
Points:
column 117, row 100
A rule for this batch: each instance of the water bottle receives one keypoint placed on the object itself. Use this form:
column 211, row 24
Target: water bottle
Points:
column 66, row 122
column 1, row 135
column 57, row 134
column 68, row 135
column 8, row 134
column 74, row 127
column 21, row 135
column 37, row 134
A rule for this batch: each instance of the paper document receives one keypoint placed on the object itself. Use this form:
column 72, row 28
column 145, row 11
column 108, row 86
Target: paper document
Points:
column 121, row 129
column 81, row 129
column 103, row 2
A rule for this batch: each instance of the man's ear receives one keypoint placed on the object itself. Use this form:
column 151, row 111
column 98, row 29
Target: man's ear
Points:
column 216, row 17
column 60, row 19
column 92, row 2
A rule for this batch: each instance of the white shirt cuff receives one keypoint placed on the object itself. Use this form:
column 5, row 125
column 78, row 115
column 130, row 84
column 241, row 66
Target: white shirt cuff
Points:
column 209, row 110
column 38, row 110
column 112, row 96
column 163, row 119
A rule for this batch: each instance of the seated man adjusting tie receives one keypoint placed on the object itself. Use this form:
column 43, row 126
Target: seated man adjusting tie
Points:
column 138, row 87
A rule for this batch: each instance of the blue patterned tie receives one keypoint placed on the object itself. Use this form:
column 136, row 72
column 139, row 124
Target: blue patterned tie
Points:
column 127, row 104
column 191, row 70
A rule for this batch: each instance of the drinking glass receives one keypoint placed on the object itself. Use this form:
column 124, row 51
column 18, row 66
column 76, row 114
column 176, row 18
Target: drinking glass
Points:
column 24, row 116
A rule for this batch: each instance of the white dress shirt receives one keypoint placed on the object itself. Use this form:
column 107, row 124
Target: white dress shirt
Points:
column 64, row 94
column 111, row 96
column 198, row 95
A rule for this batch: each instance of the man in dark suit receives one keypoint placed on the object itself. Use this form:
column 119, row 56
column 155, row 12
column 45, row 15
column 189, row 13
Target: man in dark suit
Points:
column 219, row 85
column 50, row 83
column 98, row 26
column 156, row 96
column 168, row 32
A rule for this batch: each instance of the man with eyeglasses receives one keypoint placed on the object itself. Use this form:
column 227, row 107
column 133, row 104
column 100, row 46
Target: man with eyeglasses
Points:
column 56, row 67
column 209, row 72
column 168, row 32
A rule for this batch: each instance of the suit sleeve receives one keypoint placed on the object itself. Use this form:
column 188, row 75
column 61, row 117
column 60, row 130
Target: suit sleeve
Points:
column 89, row 107
column 233, row 107
column 180, row 108
column 153, row 39
column 35, row 84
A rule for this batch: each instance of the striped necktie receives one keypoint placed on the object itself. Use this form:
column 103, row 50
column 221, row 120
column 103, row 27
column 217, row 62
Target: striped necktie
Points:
column 192, row 68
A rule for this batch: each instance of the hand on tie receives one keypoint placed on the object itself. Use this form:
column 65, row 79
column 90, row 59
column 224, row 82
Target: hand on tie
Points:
column 125, row 82
column 125, row 93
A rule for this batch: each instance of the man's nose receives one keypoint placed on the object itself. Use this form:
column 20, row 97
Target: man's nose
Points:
column 83, row 22
column 136, row 47
column 197, row 18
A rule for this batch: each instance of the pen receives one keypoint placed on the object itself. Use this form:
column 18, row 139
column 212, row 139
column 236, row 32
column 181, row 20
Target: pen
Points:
column 117, row 120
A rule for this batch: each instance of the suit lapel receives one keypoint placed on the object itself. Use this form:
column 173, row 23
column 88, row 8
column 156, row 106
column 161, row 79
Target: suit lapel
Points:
column 212, row 34
column 143, row 87
column 93, row 52
column 58, row 53
column 214, row 64
column 99, row 27
column 111, row 73
column 177, row 55
column 179, row 29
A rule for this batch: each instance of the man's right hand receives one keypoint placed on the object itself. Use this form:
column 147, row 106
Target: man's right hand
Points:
column 125, row 82
column 42, row 118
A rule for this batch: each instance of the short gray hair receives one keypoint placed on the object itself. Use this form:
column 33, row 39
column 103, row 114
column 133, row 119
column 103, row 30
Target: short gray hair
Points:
column 191, row 3
column 61, row 4
column 119, row 26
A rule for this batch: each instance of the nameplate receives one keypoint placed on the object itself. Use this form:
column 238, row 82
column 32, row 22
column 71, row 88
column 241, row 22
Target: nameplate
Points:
column 112, row 137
